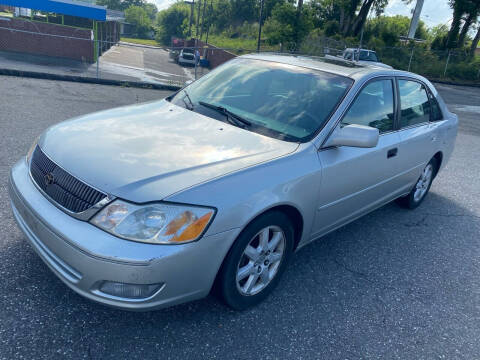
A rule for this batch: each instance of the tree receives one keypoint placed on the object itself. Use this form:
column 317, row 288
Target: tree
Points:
column 472, row 9
column 286, row 27
column 121, row 5
column 460, row 8
column 268, row 7
column 324, row 11
column 173, row 22
column 151, row 10
column 138, row 16
column 475, row 41
column 361, row 18
column 438, row 37
column 243, row 10
column 390, row 28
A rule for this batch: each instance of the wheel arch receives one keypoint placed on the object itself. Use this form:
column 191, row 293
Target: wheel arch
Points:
column 290, row 211
column 439, row 157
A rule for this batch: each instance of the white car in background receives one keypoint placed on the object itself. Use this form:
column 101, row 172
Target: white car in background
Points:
column 365, row 57
column 186, row 57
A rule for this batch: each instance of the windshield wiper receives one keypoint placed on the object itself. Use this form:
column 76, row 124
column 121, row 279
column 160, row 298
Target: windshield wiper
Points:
column 190, row 100
column 230, row 115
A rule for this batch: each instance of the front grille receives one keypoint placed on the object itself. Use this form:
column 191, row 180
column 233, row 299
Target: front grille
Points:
column 60, row 186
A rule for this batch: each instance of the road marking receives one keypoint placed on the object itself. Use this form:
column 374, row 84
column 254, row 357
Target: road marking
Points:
column 188, row 74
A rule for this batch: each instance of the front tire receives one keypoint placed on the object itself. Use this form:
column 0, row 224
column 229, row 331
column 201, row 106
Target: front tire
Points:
column 256, row 261
column 420, row 191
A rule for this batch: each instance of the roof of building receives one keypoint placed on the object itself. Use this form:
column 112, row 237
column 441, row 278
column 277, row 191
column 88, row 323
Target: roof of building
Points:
column 65, row 7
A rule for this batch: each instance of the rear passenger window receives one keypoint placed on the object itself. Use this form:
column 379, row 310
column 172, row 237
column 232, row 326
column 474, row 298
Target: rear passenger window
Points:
column 414, row 102
column 373, row 107
column 436, row 112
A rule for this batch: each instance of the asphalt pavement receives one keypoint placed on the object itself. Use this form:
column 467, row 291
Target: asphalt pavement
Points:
column 393, row 284
column 122, row 62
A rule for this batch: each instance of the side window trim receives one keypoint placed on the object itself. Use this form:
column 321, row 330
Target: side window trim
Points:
column 399, row 115
column 398, row 108
column 395, row 102
column 432, row 99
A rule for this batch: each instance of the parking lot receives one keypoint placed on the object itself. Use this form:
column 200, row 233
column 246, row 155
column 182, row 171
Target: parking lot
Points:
column 124, row 62
column 393, row 284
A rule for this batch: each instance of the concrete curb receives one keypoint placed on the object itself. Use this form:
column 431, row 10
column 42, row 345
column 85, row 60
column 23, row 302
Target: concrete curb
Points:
column 137, row 84
column 446, row 82
column 87, row 80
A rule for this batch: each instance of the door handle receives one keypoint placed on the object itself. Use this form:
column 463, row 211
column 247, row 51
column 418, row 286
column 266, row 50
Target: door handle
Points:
column 392, row 152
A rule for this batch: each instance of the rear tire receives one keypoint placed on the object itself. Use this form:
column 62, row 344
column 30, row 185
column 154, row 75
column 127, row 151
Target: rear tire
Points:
column 421, row 188
column 256, row 261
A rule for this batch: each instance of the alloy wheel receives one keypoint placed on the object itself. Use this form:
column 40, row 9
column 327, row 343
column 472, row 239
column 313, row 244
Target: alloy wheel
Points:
column 260, row 260
column 423, row 183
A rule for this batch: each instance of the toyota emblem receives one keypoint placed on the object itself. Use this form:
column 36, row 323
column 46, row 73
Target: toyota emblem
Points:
column 49, row 179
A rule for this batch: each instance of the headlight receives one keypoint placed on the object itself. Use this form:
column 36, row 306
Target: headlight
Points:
column 154, row 223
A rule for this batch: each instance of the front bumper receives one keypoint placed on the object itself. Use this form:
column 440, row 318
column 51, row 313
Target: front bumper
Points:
column 83, row 256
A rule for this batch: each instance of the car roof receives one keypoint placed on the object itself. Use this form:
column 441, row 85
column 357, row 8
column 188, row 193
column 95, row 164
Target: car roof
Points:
column 341, row 67
column 356, row 49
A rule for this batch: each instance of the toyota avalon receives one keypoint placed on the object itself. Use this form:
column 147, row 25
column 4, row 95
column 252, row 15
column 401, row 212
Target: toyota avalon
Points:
column 219, row 184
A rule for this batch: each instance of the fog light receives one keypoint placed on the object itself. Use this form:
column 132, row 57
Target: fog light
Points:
column 131, row 291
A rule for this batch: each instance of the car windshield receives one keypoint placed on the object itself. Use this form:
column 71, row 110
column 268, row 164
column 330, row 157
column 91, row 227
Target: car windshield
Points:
column 278, row 100
column 366, row 55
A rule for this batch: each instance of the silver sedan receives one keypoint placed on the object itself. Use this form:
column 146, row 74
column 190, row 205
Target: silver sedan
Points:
column 216, row 186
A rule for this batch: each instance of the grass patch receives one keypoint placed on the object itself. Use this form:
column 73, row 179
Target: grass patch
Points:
column 5, row 14
column 140, row 41
column 236, row 45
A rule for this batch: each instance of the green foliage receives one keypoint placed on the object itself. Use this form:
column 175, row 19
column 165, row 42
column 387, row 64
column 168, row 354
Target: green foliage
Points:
column 246, row 31
column 234, row 24
column 139, row 41
column 121, row 4
column 287, row 26
column 173, row 21
column 440, row 30
column 151, row 10
column 138, row 16
column 332, row 28
column 268, row 7
column 390, row 28
column 463, row 70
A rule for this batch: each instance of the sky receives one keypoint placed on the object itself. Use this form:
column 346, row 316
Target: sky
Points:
column 434, row 11
column 162, row 4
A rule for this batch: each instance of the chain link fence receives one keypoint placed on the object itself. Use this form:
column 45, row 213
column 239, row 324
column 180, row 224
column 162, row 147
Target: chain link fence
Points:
column 454, row 65
column 28, row 44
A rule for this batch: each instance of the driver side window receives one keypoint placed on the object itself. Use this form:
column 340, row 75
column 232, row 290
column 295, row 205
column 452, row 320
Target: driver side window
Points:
column 373, row 107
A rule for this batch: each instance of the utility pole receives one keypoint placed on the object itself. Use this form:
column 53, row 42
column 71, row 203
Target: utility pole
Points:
column 260, row 26
column 415, row 19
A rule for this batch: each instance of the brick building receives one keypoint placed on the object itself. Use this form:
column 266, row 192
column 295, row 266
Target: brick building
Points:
column 59, row 28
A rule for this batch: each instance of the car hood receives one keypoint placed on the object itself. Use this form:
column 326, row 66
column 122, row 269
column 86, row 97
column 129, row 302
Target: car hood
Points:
column 149, row 151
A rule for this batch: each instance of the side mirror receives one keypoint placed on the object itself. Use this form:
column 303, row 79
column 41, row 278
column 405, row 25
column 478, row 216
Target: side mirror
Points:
column 188, row 82
column 355, row 136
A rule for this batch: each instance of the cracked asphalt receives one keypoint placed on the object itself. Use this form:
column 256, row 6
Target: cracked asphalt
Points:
column 393, row 284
